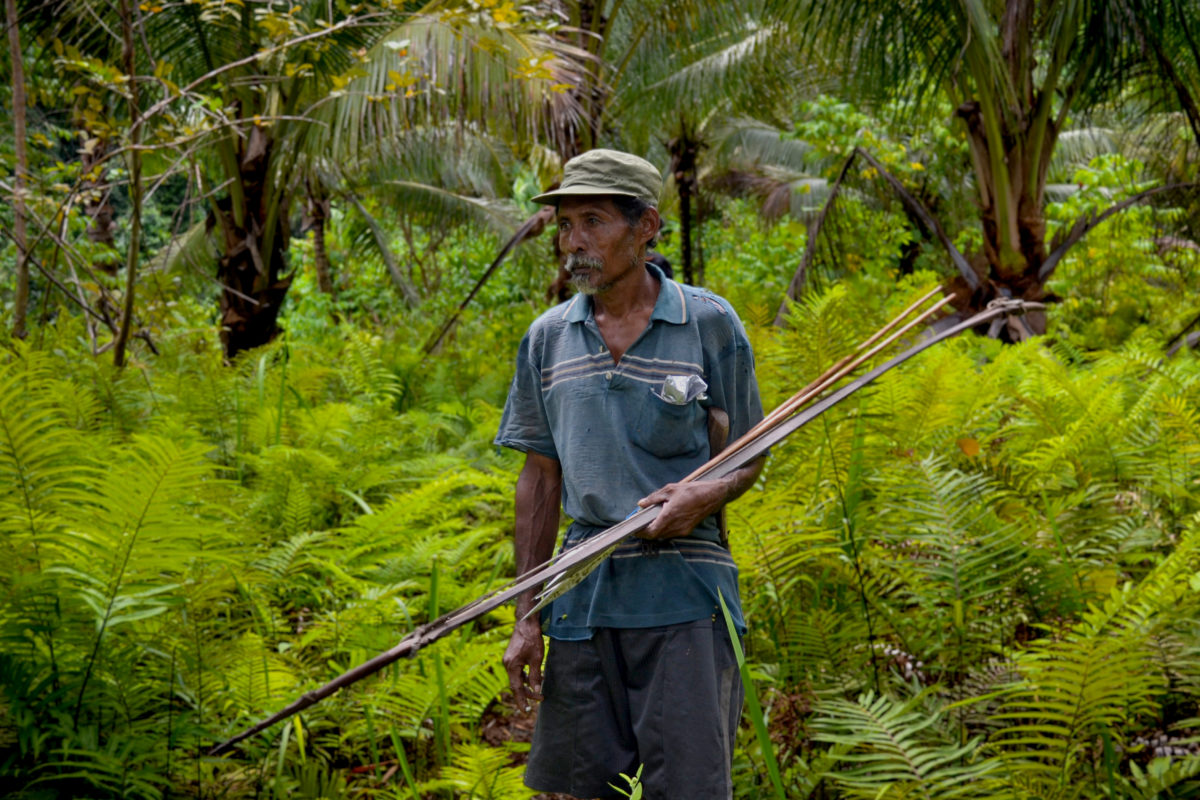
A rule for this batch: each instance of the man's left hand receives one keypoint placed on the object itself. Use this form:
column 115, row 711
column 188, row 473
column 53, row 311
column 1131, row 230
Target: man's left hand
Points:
column 685, row 505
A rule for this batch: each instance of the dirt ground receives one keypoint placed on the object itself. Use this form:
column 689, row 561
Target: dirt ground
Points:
column 503, row 722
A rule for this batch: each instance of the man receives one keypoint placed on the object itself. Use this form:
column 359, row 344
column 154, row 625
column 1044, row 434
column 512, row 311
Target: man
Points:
column 611, row 403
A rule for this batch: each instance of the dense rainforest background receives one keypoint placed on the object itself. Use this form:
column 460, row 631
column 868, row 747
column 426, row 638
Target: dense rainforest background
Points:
column 264, row 266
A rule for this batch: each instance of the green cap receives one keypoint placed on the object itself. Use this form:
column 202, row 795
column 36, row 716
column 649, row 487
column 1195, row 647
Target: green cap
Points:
column 605, row 172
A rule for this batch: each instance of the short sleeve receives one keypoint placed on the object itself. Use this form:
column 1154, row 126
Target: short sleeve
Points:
column 733, row 386
column 524, row 425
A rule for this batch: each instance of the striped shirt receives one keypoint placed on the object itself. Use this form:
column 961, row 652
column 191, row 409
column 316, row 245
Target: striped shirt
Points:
column 617, row 441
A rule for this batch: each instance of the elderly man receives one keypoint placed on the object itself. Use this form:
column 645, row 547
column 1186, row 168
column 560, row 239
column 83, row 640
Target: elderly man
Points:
column 611, row 403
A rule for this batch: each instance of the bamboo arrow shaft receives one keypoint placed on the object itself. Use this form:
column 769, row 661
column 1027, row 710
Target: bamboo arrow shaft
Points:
column 827, row 379
column 447, row 623
column 747, row 451
column 786, row 428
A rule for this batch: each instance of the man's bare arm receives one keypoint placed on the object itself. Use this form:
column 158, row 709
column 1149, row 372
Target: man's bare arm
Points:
column 685, row 505
column 539, row 489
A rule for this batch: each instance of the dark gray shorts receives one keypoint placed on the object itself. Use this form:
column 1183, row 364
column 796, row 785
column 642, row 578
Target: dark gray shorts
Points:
column 668, row 698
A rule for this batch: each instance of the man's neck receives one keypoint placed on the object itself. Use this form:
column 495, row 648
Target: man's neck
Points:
column 632, row 295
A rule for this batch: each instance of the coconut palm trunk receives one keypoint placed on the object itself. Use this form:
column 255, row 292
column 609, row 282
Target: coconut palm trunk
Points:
column 254, row 240
column 1012, row 128
column 1010, row 169
column 684, row 149
column 317, row 209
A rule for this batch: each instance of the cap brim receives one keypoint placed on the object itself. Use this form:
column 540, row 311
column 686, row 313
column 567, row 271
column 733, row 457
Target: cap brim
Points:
column 549, row 198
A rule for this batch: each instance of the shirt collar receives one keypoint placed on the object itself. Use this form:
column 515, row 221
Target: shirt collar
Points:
column 671, row 305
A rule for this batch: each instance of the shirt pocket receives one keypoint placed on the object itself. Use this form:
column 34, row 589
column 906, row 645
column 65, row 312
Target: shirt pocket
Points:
column 667, row 430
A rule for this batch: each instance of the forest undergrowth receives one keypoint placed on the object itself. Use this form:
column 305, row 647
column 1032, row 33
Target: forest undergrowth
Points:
column 978, row 578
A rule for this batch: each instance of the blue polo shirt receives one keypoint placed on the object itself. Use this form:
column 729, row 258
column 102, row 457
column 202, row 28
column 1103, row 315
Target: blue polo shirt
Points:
column 617, row 441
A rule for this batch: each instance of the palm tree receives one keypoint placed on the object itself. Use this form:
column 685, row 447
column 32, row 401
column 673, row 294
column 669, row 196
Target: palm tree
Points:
column 355, row 94
column 658, row 73
column 1168, row 34
column 722, row 62
column 1014, row 71
column 247, row 96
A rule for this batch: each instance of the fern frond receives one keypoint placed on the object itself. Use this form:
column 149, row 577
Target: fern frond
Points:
column 826, row 648
column 1071, row 691
column 107, row 770
column 37, row 456
column 297, row 510
column 484, row 772
column 39, row 469
column 894, row 750
column 951, row 554
column 289, row 557
column 1163, row 777
column 364, row 373
column 245, row 677
column 1098, row 679
column 473, row 678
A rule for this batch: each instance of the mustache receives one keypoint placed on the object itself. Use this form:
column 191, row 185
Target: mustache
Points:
column 575, row 261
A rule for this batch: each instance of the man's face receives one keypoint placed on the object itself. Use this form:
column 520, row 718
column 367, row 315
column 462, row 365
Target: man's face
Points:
column 600, row 246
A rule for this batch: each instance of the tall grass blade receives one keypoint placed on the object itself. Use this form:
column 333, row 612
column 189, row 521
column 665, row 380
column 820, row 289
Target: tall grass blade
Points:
column 398, row 746
column 754, row 708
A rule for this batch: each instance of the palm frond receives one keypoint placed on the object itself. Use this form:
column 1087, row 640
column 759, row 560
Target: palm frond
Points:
column 710, row 69
column 1076, row 147
column 758, row 160
column 433, row 68
column 449, row 206
column 195, row 250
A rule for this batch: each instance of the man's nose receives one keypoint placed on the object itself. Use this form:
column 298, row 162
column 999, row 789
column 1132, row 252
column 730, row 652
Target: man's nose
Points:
column 572, row 241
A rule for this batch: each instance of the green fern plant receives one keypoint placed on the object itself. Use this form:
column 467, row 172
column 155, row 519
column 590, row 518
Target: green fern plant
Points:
column 38, row 470
column 109, row 529
column 1097, row 679
column 952, row 558
column 894, row 749
column 479, row 772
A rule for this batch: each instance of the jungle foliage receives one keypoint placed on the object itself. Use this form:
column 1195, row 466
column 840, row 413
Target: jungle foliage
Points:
column 977, row 578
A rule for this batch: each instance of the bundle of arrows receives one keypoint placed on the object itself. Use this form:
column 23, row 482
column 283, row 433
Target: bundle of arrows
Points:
column 571, row 566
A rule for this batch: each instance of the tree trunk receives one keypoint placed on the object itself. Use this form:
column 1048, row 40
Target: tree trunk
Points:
column 21, row 303
column 96, row 206
column 255, row 286
column 135, row 186
column 685, row 231
column 318, row 215
column 1014, row 242
column 592, row 23
column 684, row 151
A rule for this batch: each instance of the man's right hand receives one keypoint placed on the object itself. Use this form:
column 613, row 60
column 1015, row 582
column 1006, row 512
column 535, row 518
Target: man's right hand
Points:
column 525, row 651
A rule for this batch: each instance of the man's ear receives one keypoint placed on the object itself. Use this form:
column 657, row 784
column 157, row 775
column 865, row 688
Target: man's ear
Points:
column 648, row 225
